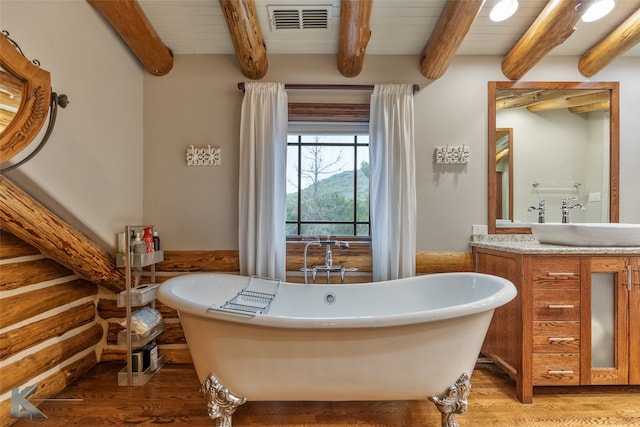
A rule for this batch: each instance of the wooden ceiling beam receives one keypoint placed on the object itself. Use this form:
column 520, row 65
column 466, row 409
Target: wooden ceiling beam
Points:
column 5, row 119
column 11, row 86
column 244, row 28
column 12, row 102
column 354, row 35
column 129, row 21
column 452, row 27
column 519, row 100
column 551, row 28
column 27, row 219
column 571, row 101
column 623, row 38
column 596, row 106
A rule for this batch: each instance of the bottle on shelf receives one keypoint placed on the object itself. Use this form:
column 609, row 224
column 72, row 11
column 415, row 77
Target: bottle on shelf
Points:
column 147, row 238
column 132, row 241
column 156, row 241
column 139, row 247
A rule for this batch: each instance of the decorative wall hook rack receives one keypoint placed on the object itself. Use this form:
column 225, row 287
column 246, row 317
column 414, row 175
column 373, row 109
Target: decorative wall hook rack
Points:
column 203, row 156
column 452, row 154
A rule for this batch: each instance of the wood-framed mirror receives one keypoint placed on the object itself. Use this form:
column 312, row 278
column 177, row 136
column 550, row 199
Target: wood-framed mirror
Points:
column 567, row 146
column 25, row 94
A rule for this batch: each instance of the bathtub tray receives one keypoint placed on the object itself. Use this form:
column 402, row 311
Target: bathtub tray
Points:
column 253, row 299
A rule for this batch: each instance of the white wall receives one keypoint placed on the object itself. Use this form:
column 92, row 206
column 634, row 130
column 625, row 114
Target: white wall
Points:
column 97, row 171
column 598, row 167
column 198, row 103
column 90, row 171
column 627, row 72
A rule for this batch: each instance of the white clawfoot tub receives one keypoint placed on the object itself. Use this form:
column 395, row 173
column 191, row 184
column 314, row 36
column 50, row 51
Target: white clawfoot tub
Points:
column 406, row 339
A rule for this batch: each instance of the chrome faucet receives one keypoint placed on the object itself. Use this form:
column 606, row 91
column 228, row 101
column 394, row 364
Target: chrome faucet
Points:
column 540, row 209
column 305, row 269
column 565, row 208
column 328, row 256
column 328, row 266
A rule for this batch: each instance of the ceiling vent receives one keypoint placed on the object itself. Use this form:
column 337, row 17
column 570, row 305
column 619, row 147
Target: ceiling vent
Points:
column 308, row 17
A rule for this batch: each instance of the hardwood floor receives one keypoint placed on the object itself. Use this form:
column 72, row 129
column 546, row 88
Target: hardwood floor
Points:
column 172, row 398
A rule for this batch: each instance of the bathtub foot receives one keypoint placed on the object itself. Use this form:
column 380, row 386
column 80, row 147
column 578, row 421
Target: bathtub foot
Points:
column 221, row 403
column 453, row 401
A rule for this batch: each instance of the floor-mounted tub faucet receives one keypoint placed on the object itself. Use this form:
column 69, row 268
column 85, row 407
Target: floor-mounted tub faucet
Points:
column 565, row 208
column 540, row 210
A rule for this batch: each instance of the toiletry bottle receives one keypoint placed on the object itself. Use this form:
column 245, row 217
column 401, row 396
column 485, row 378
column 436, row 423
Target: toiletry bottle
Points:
column 139, row 247
column 156, row 241
column 132, row 241
column 147, row 238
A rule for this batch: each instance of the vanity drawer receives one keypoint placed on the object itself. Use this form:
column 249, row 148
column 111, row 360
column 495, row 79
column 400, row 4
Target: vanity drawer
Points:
column 556, row 369
column 556, row 273
column 556, row 304
column 556, row 337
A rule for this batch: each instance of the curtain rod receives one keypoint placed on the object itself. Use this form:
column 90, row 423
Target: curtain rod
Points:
column 416, row 88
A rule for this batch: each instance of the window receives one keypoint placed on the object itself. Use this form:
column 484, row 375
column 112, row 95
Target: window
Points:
column 327, row 182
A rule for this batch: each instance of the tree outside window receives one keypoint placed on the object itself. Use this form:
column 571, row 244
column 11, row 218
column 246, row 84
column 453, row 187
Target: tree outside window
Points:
column 327, row 185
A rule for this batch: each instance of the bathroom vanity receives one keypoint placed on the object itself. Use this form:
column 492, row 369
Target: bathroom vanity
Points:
column 576, row 319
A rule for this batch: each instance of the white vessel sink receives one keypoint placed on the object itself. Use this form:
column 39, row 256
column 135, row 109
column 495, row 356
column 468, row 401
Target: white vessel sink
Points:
column 587, row 234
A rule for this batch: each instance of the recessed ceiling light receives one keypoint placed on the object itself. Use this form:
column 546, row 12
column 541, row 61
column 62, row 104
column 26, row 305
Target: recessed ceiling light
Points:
column 503, row 9
column 598, row 10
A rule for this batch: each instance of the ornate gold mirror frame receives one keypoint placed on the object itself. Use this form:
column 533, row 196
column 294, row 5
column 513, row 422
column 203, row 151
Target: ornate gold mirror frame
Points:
column 34, row 105
column 614, row 142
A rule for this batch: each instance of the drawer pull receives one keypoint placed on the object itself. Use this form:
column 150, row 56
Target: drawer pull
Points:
column 567, row 339
column 561, row 306
column 551, row 273
column 562, row 372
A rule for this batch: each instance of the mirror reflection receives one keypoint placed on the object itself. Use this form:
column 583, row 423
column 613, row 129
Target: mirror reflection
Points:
column 504, row 175
column 563, row 152
column 10, row 97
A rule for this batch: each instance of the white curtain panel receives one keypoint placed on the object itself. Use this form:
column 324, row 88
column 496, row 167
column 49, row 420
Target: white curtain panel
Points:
column 392, row 182
column 263, row 164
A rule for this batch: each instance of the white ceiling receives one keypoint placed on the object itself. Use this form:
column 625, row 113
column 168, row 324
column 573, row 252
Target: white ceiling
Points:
column 398, row 27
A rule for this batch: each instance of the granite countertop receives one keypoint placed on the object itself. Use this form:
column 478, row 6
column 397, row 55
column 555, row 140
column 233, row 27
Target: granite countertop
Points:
column 527, row 244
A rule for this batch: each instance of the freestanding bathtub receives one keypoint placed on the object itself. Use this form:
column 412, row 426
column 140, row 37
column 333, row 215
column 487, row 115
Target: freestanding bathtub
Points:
column 264, row 340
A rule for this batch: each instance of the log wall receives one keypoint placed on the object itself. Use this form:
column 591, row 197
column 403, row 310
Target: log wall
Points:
column 49, row 332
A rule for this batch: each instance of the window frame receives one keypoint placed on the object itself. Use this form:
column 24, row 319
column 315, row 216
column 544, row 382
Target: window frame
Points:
column 326, row 118
column 355, row 146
